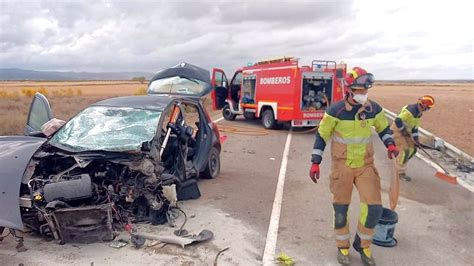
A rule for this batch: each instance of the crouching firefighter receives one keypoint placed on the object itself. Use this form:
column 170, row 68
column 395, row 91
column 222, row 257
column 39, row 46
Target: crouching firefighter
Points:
column 405, row 132
column 349, row 124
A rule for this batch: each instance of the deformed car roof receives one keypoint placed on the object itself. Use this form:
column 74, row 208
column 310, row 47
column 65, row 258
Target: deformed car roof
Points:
column 148, row 102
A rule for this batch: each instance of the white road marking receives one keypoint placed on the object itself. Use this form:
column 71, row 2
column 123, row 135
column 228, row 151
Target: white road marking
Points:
column 272, row 234
column 218, row 119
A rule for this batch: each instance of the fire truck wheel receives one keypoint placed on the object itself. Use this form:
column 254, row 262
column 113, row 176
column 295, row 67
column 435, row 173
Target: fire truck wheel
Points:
column 268, row 119
column 227, row 113
column 213, row 166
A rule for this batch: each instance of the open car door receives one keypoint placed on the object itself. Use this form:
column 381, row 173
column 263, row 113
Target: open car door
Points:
column 38, row 115
column 183, row 79
column 219, row 88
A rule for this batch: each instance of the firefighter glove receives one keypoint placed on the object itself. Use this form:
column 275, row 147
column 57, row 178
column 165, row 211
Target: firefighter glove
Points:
column 392, row 151
column 314, row 172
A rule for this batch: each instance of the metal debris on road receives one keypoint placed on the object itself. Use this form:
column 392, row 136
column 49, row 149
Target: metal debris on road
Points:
column 120, row 243
column 138, row 239
column 218, row 254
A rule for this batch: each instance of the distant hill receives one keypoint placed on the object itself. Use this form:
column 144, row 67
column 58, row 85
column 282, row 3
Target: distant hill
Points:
column 22, row 74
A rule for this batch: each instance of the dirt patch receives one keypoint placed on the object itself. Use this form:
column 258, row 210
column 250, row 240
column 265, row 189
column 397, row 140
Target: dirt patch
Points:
column 450, row 119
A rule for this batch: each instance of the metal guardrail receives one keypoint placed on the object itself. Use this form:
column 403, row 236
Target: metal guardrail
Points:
column 451, row 150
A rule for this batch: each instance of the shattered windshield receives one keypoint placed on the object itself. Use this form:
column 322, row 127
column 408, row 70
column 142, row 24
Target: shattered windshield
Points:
column 108, row 129
column 178, row 85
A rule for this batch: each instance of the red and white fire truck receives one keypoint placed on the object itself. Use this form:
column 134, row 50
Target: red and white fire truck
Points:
column 279, row 90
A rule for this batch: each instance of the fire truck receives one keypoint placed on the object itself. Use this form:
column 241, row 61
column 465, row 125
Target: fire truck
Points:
column 278, row 91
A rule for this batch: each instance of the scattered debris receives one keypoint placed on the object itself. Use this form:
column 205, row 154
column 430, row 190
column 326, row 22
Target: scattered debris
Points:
column 138, row 239
column 285, row 259
column 223, row 138
column 20, row 247
column 218, row 254
column 120, row 243
column 181, row 232
column 153, row 243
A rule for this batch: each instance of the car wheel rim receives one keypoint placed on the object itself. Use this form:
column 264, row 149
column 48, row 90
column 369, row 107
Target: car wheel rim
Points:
column 214, row 164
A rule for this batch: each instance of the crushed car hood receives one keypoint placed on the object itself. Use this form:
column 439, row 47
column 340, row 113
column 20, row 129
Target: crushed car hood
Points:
column 15, row 153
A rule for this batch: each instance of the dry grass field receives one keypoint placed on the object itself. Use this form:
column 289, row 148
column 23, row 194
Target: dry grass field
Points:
column 66, row 98
column 88, row 88
column 452, row 118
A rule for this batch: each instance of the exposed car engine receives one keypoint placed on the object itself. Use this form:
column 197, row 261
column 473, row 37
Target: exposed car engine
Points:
column 102, row 190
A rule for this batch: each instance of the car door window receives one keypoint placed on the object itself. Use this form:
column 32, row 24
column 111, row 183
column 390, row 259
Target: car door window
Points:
column 40, row 113
column 191, row 116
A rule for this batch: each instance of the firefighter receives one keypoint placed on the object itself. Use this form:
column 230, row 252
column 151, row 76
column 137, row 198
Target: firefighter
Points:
column 405, row 132
column 349, row 124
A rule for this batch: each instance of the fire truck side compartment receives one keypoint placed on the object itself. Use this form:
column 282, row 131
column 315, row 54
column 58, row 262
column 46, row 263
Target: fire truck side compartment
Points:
column 316, row 91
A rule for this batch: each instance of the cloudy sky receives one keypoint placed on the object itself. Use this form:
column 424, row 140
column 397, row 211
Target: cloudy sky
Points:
column 401, row 39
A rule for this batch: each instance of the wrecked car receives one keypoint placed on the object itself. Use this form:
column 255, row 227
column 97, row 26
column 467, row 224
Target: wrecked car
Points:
column 119, row 161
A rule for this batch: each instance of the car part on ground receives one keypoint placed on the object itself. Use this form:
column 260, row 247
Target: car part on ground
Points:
column 138, row 239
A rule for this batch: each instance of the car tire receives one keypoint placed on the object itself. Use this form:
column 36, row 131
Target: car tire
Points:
column 213, row 166
column 227, row 113
column 268, row 119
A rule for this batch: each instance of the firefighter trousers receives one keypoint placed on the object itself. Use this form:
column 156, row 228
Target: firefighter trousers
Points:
column 367, row 181
column 407, row 149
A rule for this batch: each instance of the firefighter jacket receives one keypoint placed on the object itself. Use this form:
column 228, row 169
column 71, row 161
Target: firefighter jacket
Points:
column 409, row 119
column 350, row 128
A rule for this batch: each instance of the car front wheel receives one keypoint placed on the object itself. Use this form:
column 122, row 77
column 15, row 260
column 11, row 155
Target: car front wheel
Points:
column 213, row 167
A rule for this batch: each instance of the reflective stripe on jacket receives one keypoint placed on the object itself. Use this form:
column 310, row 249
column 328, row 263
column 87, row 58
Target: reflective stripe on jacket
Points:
column 350, row 128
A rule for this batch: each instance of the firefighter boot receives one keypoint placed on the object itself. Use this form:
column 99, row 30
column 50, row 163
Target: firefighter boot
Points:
column 343, row 256
column 365, row 253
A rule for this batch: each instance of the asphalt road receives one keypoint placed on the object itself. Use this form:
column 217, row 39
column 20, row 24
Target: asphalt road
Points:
column 434, row 228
